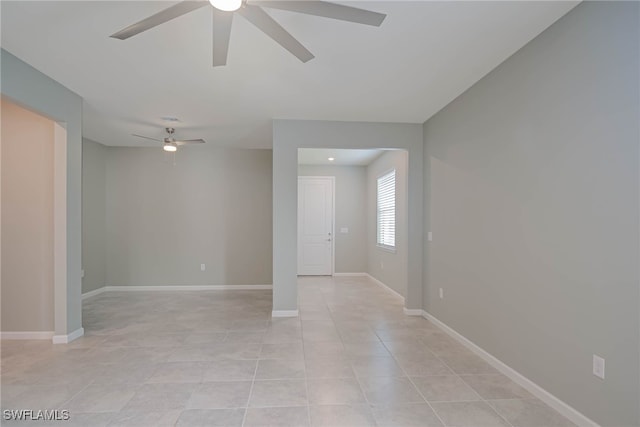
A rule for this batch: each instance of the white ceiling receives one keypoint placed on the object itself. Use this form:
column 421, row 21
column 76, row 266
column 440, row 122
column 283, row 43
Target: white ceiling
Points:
column 424, row 55
column 341, row 157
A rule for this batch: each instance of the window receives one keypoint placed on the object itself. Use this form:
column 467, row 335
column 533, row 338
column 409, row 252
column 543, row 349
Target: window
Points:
column 386, row 215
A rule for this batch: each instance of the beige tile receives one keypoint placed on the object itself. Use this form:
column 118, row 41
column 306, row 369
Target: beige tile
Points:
column 205, row 338
column 101, row 398
column 467, row 363
column 335, row 391
column 211, row 417
column 125, row 373
column 279, row 369
column 45, row 397
column 444, row 388
column 361, row 349
column 228, row 370
column 147, row 339
column 144, row 419
column 220, row 395
column 418, row 365
column 160, row 398
column 416, row 415
column 389, row 391
column 496, row 386
column 282, row 351
column 177, row 372
column 297, row 416
column 330, row 349
column 529, row 413
column 329, row 368
column 341, row 416
column 278, row 393
column 476, row 414
column 376, row 367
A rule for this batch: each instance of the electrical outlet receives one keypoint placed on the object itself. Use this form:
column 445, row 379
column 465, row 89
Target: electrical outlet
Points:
column 429, row 236
column 598, row 366
column 441, row 292
column 203, row 267
column 381, row 265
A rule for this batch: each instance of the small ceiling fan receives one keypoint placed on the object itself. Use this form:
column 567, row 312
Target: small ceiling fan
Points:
column 170, row 143
column 252, row 10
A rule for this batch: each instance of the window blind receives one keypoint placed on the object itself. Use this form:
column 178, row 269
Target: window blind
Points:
column 386, row 215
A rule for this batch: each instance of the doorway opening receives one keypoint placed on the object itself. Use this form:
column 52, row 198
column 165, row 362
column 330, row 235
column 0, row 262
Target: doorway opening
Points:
column 340, row 218
column 34, row 233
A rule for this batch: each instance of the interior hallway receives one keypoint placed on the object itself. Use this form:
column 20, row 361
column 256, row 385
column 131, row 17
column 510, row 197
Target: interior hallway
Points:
column 352, row 358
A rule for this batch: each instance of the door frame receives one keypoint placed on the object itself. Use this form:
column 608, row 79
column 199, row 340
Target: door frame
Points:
column 332, row 179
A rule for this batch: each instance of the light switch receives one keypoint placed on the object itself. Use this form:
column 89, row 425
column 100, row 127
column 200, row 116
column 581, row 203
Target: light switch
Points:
column 344, row 230
column 429, row 236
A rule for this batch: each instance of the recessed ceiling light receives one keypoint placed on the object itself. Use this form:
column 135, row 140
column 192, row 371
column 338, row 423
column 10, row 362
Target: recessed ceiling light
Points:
column 169, row 119
column 331, row 159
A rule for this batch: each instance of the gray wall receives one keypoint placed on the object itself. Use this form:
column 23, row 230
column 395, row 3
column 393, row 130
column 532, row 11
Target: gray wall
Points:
column 288, row 136
column 388, row 267
column 94, row 222
column 532, row 195
column 213, row 207
column 350, row 211
column 28, row 87
column 27, row 220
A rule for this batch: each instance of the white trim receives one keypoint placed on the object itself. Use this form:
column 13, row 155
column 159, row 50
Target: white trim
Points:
column 284, row 313
column 94, row 292
column 32, row 335
column 412, row 311
column 568, row 411
column 379, row 283
column 61, row 287
column 66, row 339
column 350, row 274
column 186, row 288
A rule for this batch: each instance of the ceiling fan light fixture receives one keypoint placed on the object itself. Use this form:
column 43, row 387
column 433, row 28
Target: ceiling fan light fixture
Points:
column 170, row 147
column 226, row 5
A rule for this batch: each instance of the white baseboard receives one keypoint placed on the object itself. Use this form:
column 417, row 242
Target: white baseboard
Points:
column 32, row 335
column 66, row 339
column 350, row 274
column 94, row 292
column 284, row 313
column 176, row 288
column 379, row 283
column 565, row 409
column 412, row 311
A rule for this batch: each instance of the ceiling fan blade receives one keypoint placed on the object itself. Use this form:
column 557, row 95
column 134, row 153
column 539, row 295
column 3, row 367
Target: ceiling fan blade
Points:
column 221, row 34
column 159, row 18
column 189, row 141
column 264, row 22
column 146, row 137
column 328, row 10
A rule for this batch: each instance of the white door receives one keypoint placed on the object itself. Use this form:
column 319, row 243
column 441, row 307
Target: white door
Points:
column 315, row 226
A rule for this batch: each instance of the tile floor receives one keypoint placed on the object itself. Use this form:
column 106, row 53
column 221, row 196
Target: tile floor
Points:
column 217, row 358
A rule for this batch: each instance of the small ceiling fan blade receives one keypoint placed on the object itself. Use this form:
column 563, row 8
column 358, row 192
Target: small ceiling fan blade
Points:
column 328, row 10
column 189, row 141
column 146, row 137
column 221, row 34
column 270, row 27
column 159, row 18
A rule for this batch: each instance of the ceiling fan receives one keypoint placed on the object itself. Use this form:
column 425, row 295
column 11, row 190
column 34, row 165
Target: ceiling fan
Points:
column 170, row 143
column 252, row 10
